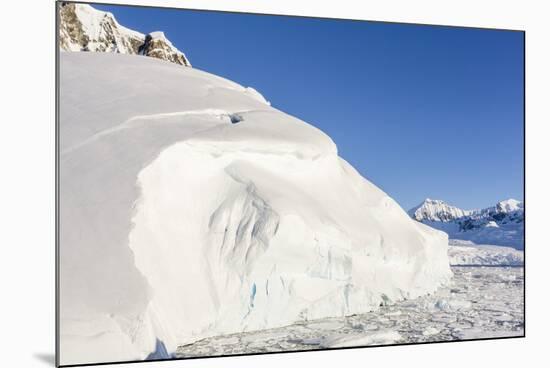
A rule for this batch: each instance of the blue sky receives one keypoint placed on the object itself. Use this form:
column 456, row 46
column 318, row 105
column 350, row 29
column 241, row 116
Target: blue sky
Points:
column 421, row 111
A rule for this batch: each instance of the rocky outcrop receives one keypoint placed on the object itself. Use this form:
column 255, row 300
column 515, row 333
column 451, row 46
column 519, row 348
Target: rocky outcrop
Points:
column 83, row 28
column 158, row 46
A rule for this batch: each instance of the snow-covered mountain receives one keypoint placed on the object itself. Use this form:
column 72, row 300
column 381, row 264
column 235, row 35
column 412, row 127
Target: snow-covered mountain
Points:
column 197, row 209
column 83, row 28
column 501, row 224
column 436, row 210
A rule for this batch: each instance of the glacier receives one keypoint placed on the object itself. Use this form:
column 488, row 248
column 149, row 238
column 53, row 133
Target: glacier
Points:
column 191, row 208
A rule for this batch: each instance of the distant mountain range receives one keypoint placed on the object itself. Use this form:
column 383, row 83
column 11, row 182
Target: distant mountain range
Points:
column 501, row 224
column 83, row 28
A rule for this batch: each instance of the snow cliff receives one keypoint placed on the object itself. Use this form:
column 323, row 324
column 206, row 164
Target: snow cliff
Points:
column 189, row 208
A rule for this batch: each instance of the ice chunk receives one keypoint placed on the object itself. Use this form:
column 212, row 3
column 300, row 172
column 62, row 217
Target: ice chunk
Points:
column 213, row 228
column 371, row 338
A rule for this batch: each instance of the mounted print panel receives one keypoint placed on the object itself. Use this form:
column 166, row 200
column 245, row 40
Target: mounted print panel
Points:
column 234, row 183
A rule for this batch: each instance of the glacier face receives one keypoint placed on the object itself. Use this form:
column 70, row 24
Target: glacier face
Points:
column 190, row 208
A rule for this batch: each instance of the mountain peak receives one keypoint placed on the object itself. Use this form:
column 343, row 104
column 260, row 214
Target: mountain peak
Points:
column 436, row 210
column 509, row 205
column 433, row 201
column 84, row 28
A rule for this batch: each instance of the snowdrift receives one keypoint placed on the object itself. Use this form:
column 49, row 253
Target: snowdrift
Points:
column 191, row 208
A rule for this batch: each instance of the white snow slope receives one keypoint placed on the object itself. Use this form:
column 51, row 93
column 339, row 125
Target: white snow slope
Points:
column 191, row 208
